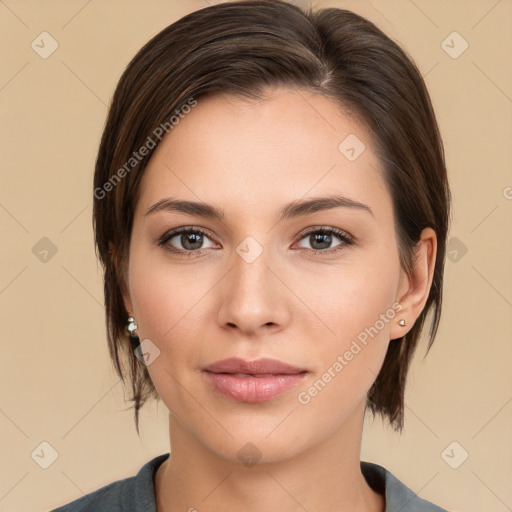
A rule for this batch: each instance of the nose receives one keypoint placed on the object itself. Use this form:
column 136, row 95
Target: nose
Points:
column 253, row 299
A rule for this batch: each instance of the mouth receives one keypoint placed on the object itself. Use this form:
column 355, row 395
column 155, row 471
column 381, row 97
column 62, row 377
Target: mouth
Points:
column 263, row 366
column 253, row 381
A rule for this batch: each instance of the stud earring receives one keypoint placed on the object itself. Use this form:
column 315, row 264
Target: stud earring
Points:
column 402, row 323
column 132, row 331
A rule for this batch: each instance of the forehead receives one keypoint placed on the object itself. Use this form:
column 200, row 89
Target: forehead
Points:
column 246, row 154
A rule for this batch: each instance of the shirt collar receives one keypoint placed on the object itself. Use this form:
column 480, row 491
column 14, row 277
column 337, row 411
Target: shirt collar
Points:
column 398, row 496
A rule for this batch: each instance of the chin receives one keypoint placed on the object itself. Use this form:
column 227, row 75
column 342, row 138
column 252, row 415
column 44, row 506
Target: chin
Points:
column 253, row 447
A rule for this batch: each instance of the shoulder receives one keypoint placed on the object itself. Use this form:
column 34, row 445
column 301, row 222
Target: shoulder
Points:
column 398, row 496
column 109, row 497
column 131, row 494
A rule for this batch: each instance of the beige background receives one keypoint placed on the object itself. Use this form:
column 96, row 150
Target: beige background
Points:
column 56, row 380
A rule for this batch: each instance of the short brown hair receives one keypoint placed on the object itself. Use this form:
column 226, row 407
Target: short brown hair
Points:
column 243, row 48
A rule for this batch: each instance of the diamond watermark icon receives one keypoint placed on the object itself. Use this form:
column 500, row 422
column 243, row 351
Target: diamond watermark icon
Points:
column 454, row 45
column 147, row 352
column 44, row 455
column 456, row 249
column 44, row 250
column 249, row 250
column 351, row 147
column 44, row 45
column 454, row 455
column 249, row 454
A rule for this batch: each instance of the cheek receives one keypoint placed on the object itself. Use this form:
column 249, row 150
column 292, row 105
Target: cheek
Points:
column 348, row 365
column 357, row 316
column 173, row 310
column 163, row 295
column 343, row 302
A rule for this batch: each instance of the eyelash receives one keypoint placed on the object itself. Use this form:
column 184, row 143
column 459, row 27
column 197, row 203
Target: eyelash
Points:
column 345, row 238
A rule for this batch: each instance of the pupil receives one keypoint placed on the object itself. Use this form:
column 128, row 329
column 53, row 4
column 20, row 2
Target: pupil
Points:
column 318, row 238
column 193, row 238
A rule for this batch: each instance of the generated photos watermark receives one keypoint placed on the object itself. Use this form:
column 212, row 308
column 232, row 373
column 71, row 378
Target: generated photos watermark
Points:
column 138, row 156
column 305, row 397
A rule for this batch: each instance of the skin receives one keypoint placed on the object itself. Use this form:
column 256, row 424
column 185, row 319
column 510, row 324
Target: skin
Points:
column 292, row 303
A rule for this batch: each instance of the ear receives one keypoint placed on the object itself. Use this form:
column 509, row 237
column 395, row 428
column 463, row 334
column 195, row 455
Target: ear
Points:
column 122, row 278
column 413, row 289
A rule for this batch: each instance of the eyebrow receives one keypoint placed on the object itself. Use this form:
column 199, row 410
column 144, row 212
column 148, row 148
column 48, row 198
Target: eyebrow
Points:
column 291, row 210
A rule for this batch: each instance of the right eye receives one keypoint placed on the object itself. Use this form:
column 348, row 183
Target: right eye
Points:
column 189, row 239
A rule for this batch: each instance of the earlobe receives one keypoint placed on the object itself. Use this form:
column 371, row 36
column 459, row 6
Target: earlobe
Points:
column 417, row 283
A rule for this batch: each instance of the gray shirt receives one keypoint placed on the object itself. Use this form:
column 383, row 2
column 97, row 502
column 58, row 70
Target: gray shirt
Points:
column 137, row 493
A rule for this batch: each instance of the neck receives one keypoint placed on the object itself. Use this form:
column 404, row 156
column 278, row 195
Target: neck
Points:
column 324, row 477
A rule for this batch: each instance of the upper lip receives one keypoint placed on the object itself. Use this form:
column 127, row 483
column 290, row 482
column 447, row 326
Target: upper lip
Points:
column 262, row 366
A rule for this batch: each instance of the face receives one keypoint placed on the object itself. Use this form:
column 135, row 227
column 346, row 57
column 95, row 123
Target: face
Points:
column 316, row 288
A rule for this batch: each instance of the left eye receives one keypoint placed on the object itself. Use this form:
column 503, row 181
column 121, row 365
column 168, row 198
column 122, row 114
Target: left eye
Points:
column 321, row 239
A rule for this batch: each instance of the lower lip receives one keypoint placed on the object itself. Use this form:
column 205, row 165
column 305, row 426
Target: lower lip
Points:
column 253, row 389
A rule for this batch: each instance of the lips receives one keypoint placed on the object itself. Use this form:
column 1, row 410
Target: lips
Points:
column 259, row 367
column 253, row 381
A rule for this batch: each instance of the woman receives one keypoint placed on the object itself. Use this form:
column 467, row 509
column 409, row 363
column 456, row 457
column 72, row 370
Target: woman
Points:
column 271, row 210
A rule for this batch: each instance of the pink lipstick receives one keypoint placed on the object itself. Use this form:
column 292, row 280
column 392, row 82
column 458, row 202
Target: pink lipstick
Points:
column 253, row 381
